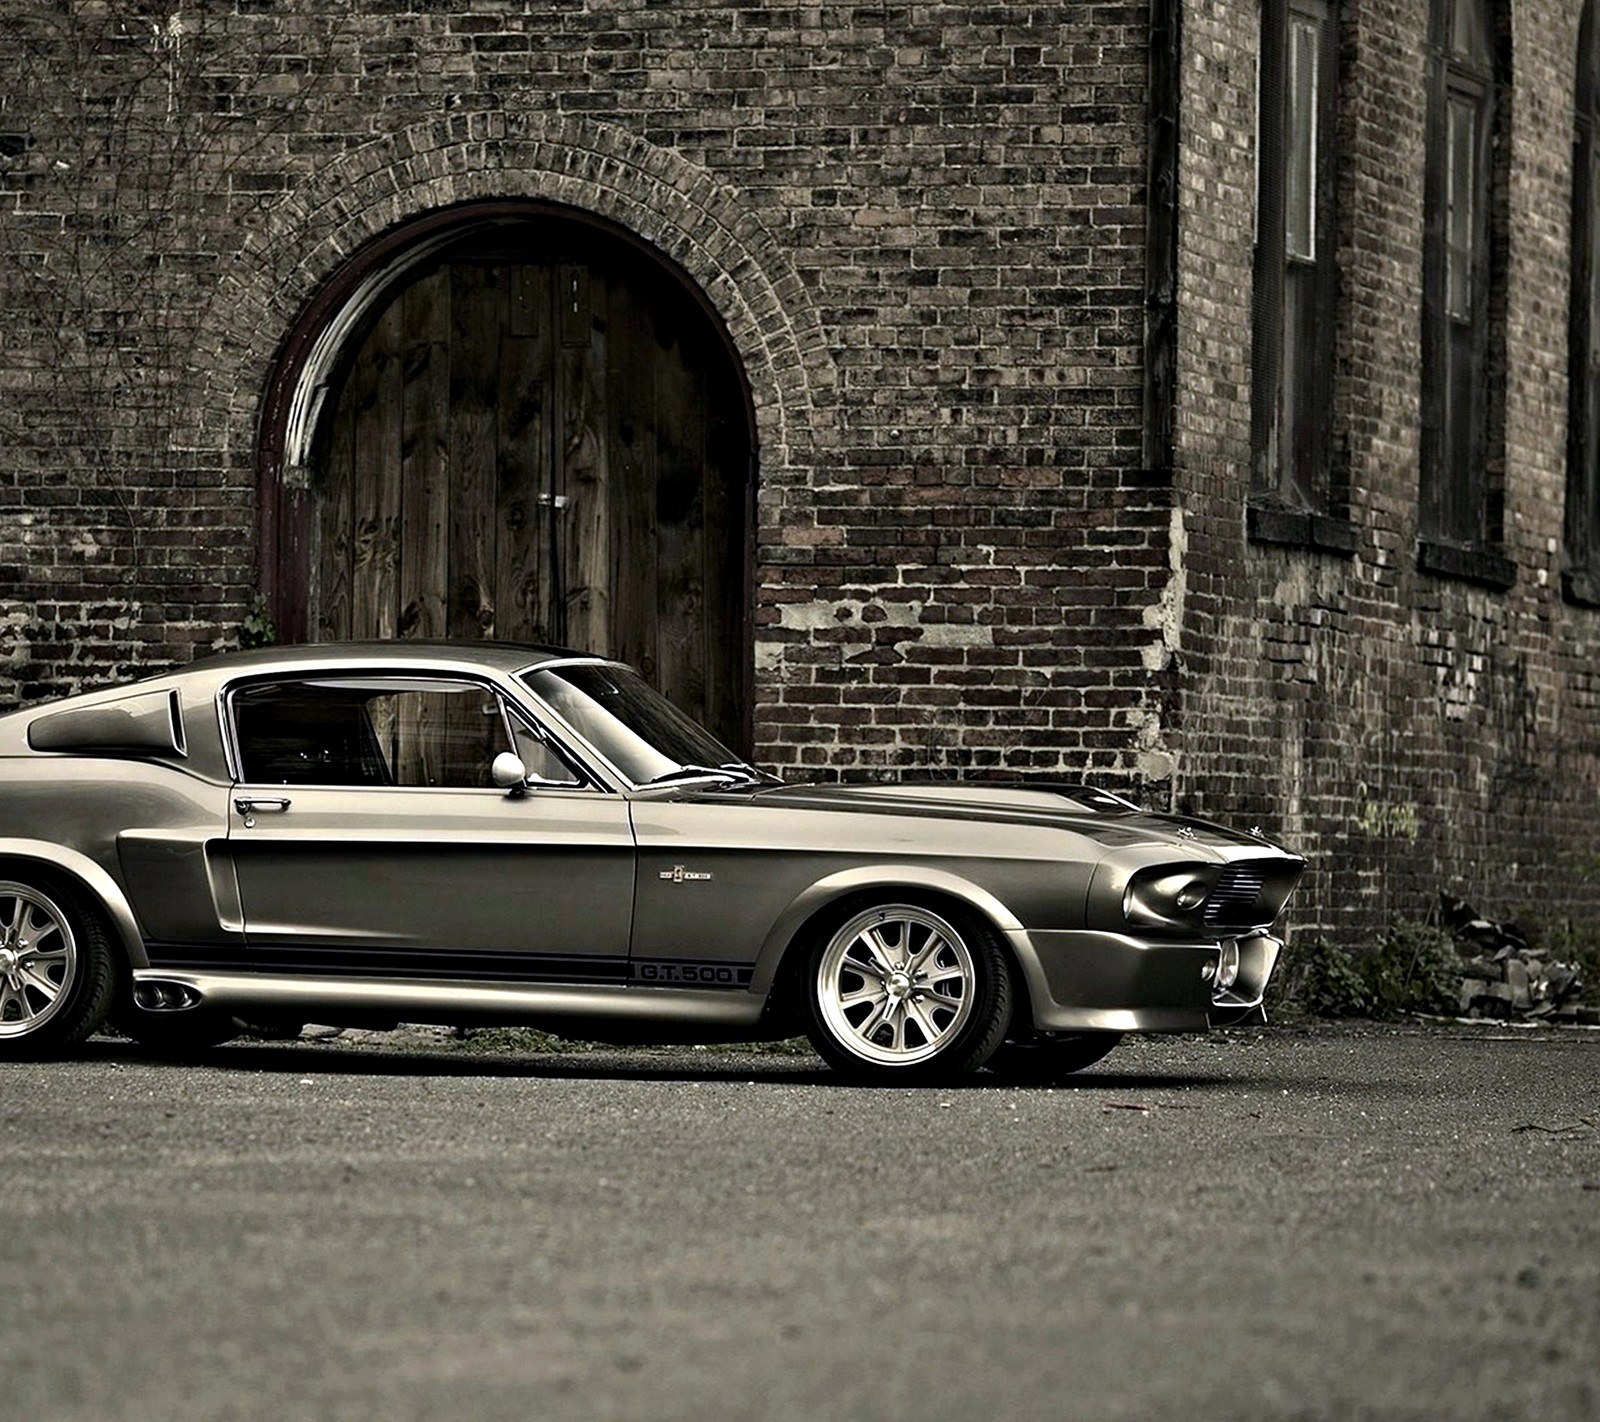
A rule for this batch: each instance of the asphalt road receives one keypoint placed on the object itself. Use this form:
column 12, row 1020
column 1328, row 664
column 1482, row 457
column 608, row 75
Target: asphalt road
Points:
column 1369, row 1223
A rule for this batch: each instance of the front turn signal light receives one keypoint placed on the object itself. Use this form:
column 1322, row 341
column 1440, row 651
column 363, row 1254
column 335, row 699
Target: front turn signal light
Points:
column 1227, row 966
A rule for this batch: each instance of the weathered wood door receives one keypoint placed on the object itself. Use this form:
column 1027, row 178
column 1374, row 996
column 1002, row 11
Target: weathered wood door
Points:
column 548, row 446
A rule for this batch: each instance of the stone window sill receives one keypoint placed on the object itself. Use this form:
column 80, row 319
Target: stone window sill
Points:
column 1469, row 565
column 1581, row 586
column 1268, row 523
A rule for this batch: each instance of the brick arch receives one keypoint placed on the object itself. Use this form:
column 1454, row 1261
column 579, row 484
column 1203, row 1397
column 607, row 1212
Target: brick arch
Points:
column 675, row 208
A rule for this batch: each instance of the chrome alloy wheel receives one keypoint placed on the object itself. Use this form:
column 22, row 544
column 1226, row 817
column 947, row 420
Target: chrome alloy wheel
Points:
column 895, row 985
column 38, row 960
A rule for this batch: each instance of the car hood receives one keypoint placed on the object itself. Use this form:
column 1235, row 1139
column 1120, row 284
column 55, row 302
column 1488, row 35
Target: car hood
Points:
column 1082, row 809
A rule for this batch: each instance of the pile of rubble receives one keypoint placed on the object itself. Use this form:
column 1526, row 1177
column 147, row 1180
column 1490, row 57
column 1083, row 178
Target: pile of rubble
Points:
column 1502, row 977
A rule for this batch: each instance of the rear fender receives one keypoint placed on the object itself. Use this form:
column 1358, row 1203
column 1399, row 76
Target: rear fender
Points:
column 93, row 880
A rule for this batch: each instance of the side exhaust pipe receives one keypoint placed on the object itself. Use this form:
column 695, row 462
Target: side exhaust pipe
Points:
column 156, row 995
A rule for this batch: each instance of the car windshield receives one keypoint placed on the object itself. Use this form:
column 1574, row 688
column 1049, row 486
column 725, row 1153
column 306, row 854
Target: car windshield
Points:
column 633, row 726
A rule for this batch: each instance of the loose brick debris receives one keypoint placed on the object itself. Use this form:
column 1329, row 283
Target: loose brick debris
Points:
column 1502, row 977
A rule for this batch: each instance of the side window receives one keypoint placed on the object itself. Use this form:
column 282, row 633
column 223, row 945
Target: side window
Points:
column 441, row 736
column 302, row 733
column 542, row 759
column 383, row 731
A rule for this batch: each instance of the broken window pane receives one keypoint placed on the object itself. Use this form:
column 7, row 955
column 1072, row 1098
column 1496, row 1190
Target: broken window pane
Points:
column 1461, row 166
column 1300, row 215
column 1469, row 32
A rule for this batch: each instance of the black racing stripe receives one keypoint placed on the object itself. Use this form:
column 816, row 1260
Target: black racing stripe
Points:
column 344, row 961
column 297, row 959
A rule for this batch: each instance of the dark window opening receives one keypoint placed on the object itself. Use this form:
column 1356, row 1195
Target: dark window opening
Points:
column 1296, row 493
column 1463, row 300
column 1581, row 578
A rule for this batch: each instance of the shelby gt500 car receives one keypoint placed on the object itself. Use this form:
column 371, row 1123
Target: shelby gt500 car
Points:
column 476, row 833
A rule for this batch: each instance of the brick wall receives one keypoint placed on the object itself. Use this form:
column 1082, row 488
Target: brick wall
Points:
column 1409, row 732
column 923, row 226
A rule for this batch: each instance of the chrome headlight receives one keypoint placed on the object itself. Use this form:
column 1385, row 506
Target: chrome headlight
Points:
column 1169, row 895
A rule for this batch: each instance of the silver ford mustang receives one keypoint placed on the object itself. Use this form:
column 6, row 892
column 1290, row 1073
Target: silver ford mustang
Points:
column 475, row 833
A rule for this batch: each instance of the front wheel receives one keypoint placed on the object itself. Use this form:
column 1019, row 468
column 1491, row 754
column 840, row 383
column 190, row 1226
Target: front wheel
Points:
column 58, row 971
column 899, row 992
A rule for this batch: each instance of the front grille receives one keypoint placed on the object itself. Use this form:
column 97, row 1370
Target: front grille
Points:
column 1235, row 902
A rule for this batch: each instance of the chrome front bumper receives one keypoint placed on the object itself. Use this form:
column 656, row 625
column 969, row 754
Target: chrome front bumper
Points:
column 1083, row 981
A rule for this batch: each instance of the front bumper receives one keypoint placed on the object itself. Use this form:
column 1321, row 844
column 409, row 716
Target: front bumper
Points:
column 1085, row 981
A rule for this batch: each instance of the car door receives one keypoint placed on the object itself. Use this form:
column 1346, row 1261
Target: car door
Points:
column 715, row 873
column 366, row 836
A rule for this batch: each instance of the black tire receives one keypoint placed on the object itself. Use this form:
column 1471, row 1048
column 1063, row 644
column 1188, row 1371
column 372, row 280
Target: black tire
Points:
column 900, row 992
column 174, row 1034
column 1051, row 1057
column 58, row 970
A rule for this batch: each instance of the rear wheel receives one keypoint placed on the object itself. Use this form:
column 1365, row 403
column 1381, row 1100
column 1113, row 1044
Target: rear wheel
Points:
column 899, row 992
column 57, row 969
column 1050, row 1057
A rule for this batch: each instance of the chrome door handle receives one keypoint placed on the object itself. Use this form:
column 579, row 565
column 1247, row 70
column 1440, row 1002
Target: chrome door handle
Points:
column 246, row 803
column 249, row 805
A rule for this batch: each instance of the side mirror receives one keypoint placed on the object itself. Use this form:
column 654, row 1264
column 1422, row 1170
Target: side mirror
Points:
column 509, row 773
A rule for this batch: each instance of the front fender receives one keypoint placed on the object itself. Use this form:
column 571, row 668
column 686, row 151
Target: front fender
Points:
column 888, row 880
column 92, row 879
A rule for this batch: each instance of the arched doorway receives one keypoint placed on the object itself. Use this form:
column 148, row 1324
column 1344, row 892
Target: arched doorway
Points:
column 535, row 432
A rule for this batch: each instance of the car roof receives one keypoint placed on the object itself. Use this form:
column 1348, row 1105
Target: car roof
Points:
column 497, row 656
column 203, row 677
column 199, row 683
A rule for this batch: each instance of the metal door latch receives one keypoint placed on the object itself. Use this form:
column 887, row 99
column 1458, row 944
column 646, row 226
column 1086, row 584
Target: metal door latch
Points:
column 249, row 805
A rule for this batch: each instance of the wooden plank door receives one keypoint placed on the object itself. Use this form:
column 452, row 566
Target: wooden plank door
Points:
column 550, row 451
